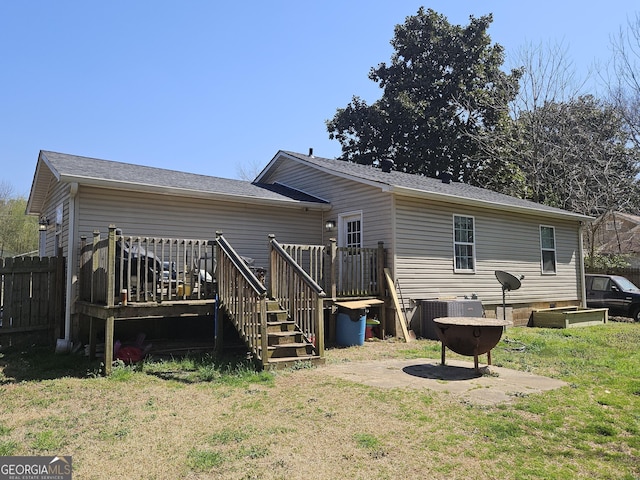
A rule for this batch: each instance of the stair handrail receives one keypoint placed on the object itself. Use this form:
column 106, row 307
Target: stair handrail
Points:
column 243, row 296
column 240, row 264
column 298, row 269
column 298, row 293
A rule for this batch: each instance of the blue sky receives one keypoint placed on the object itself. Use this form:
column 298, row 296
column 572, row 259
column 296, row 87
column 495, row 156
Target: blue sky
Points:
column 210, row 87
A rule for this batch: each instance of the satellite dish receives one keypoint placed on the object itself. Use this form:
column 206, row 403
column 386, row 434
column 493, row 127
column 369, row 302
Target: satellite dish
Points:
column 508, row 282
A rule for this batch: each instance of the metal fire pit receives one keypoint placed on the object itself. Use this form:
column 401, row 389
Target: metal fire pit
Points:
column 469, row 336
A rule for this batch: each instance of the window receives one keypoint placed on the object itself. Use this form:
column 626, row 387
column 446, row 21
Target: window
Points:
column 548, row 249
column 613, row 225
column 353, row 233
column 601, row 284
column 463, row 244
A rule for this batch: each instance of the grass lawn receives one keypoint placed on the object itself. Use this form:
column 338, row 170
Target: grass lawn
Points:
column 198, row 417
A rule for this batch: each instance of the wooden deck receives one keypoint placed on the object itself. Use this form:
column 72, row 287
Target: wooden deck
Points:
column 136, row 311
column 129, row 278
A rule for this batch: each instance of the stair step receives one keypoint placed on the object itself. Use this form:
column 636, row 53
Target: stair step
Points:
column 281, row 326
column 288, row 362
column 277, row 316
column 289, row 345
column 273, row 305
column 287, row 337
column 298, row 349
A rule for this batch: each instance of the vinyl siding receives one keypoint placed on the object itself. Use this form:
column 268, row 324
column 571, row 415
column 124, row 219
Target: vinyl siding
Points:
column 345, row 196
column 503, row 241
column 245, row 226
column 59, row 196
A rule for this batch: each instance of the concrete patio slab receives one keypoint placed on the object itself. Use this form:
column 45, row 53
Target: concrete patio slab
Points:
column 494, row 385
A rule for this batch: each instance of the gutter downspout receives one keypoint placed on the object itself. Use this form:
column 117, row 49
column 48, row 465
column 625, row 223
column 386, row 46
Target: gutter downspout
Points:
column 583, row 290
column 71, row 276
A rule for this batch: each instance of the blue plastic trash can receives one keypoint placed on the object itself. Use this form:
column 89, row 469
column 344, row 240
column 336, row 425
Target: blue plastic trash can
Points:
column 350, row 327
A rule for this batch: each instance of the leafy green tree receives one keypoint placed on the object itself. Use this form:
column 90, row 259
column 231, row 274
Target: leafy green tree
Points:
column 18, row 232
column 443, row 85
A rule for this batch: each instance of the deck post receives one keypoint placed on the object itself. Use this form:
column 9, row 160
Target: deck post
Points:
column 218, row 318
column 333, row 268
column 95, row 264
column 111, row 264
column 319, row 327
column 264, row 337
column 93, row 331
column 111, row 288
column 272, row 267
column 108, row 344
column 380, row 284
column 82, row 281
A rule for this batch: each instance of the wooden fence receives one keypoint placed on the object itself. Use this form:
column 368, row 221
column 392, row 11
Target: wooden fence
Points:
column 32, row 296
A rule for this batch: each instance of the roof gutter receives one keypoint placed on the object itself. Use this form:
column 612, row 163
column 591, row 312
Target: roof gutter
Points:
column 485, row 203
column 183, row 192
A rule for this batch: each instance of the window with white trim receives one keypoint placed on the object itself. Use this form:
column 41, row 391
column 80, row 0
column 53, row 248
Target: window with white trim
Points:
column 464, row 249
column 548, row 249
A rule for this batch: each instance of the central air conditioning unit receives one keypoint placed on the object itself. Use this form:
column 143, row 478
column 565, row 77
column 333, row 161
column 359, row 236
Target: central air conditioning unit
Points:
column 430, row 309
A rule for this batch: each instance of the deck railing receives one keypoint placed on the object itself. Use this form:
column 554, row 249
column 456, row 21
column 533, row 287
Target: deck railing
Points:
column 297, row 292
column 243, row 297
column 144, row 269
column 342, row 271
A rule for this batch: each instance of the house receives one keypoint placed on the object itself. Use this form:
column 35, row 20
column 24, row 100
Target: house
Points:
column 440, row 239
column 616, row 233
column 446, row 239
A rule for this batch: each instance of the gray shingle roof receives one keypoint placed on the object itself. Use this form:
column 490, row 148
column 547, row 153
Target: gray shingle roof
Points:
column 93, row 170
column 426, row 185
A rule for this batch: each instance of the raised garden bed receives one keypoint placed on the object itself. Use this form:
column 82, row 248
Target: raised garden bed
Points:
column 569, row 317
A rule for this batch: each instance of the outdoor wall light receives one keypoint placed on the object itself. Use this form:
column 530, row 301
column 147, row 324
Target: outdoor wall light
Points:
column 43, row 223
column 330, row 226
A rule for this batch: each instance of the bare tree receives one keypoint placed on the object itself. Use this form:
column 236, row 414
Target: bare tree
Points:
column 548, row 78
column 565, row 149
column 625, row 86
column 516, row 156
column 248, row 171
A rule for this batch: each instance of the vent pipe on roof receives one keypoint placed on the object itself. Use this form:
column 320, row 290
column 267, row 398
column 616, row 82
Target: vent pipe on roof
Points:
column 310, row 152
column 446, row 177
column 387, row 165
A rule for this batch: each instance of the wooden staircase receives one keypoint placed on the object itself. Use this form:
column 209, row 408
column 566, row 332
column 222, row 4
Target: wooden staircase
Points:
column 287, row 344
column 281, row 326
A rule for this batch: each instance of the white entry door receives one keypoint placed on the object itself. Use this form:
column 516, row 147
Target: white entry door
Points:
column 350, row 238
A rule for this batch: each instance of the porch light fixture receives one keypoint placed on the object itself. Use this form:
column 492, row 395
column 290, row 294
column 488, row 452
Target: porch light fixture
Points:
column 330, row 226
column 43, row 223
